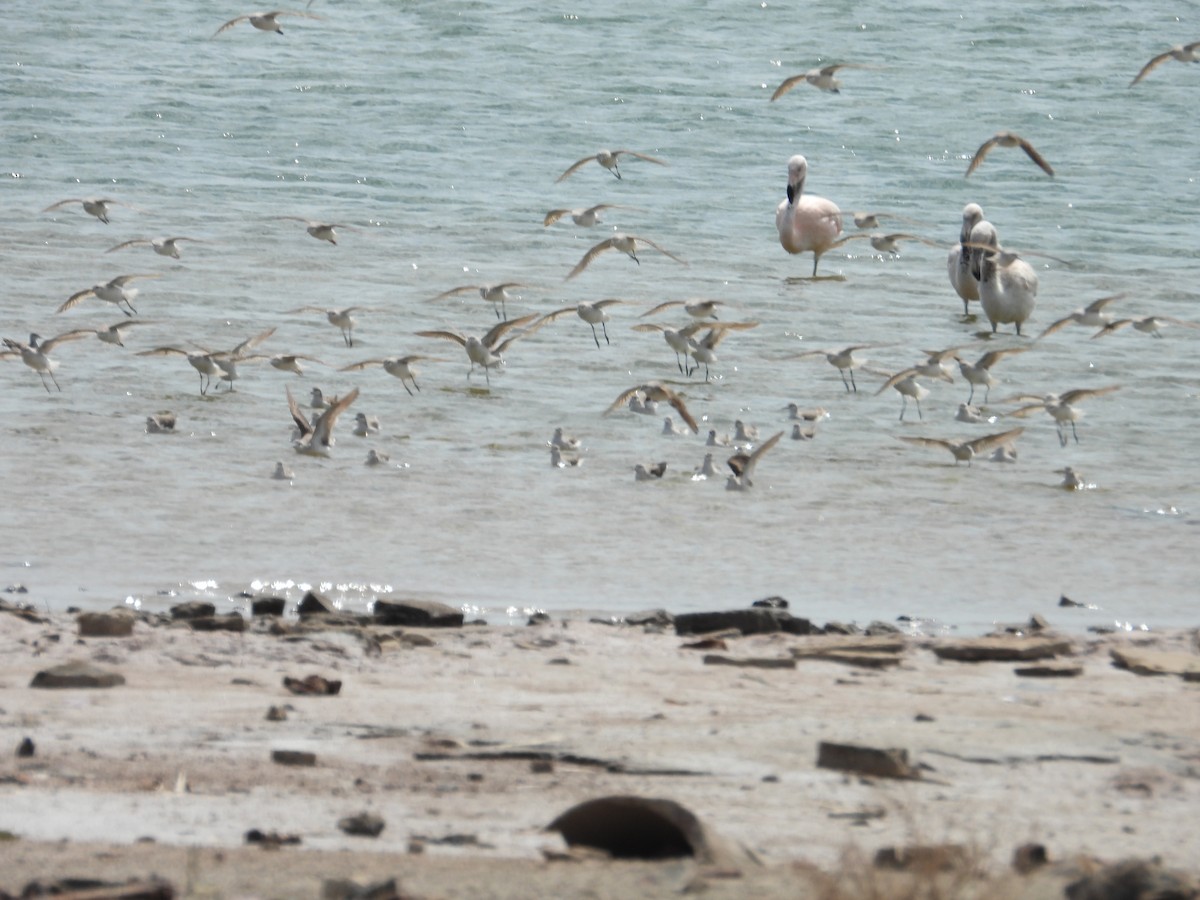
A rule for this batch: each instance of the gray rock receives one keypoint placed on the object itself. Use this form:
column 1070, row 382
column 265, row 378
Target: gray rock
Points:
column 76, row 675
column 231, row 621
column 1003, row 649
column 364, row 824
column 886, row 763
column 267, row 606
column 114, row 623
column 419, row 613
column 755, row 620
column 313, row 604
column 193, row 609
column 293, row 758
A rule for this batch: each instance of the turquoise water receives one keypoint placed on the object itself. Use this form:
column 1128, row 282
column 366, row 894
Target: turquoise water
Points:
column 436, row 131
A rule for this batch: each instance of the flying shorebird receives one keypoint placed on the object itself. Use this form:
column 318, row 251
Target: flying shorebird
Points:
column 486, row 352
column 397, row 366
column 96, row 206
column 842, row 360
column 968, row 450
column 338, row 318
column 585, row 218
column 608, row 159
column 110, row 292
column 822, row 77
column 495, row 294
column 322, row 231
column 697, row 309
column 704, row 349
column 744, row 464
column 1150, row 325
column 265, row 21
column 626, row 243
column 221, row 363
column 1008, row 139
column 163, row 246
column 885, row 243
column 654, row 391
column 290, row 362
column 36, row 354
column 592, row 312
column 1093, row 315
column 906, row 383
column 112, row 334
column 676, row 340
column 1182, row 52
column 1064, row 408
column 980, row 372
column 316, row 438
column 864, row 220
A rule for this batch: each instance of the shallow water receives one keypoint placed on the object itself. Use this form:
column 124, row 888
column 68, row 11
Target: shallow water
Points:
column 437, row 131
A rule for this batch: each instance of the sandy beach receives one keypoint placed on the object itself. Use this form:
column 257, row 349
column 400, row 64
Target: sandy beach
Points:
column 467, row 742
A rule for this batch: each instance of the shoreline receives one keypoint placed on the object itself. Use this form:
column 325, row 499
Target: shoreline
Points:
column 468, row 741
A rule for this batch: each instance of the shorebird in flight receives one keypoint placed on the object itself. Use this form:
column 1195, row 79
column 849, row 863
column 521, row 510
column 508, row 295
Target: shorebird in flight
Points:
column 1008, row 139
column 968, row 450
column 113, row 291
column 1064, row 408
column 1150, row 325
column 95, row 206
column 676, row 340
column 743, row 464
column 221, row 363
column 585, row 218
column 906, row 383
column 265, row 21
column 36, row 354
column 980, row 373
column 704, row 349
column 397, row 366
column 322, row 231
column 885, row 243
column 608, row 159
column 1183, row 52
column 843, row 360
column 495, row 294
column 290, row 362
column 316, row 438
column 697, row 309
column 1094, row 315
column 487, row 351
column 593, row 312
column 112, row 334
column 822, row 77
column 627, row 244
column 654, row 392
column 338, row 318
column 163, row 246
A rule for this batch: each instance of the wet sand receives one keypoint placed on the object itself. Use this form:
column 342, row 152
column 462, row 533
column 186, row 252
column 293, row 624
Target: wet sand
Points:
column 468, row 742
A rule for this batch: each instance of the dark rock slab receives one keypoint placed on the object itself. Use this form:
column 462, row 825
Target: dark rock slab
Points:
column 417, row 613
column 883, row 763
column 193, row 609
column 1003, row 649
column 363, row 824
column 1147, row 661
column 268, row 606
column 315, row 604
column 1134, row 879
column 26, row 748
column 750, row 662
column 77, row 675
column 231, row 621
column 316, row 685
column 754, row 620
column 1050, row 670
column 293, row 758
column 114, row 623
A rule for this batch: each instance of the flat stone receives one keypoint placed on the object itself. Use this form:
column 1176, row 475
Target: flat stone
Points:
column 651, row 617
column 312, row 685
column 1050, row 670
column 1135, row 879
column 77, row 675
column 268, row 606
column 314, row 604
column 1003, row 649
column 114, row 623
column 863, row 659
column 193, row 609
column 750, row 662
column 924, row 858
column 363, row 824
column 884, row 763
column 232, row 621
column 418, row 613
column 293, row 758
column 755, row 620
column 1143, row 661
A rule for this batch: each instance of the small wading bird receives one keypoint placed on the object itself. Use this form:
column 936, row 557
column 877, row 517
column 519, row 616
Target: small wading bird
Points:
column 980, row 373
column 584, row 218
column 338, row 318
column 316, row 438
column 968, row 450
column 397, row 366
column 222, row 363
column 697, row 309
column 676, row 340
column 322, row 231
column 627, row 244
column 95, row 206
column 1185, row 53
column 495, row 294
column 487, row 351
column 113, row 291
column 655, row 392
column 1008, row 139
column 655, row 472
column 112, row 334
column 161, row 423
column 36, row 354
column 704, row 349
column 608, row 159
column 822, row 77
column 744, row 464
column 806, row 222
column 1063, row 408
column 265, row 21
column 561, row 460
column 906, row 383
column 290, row 362
column 163, row 246
column 592, row 312
column 884, row 243
column 842, row 360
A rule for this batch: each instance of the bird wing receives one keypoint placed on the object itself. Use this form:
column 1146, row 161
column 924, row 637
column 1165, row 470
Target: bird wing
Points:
column 589, row 256
column 230, row 24
column 47, row 346
column 1079, row 394
column 61, row 203
column 982, row 445
column 447, row 335
column 304, row 309
column 1036, row 157
column 124, row 244
column 623, row 398
column 1056, row 326
column 240, row 351
column 575, row 167
column 982, row 152
column 557, row 314
column 354, row 367
column 75, row 299
column 929, row 442
column 461, row 289
column 651, row 243
column 163, row 351
column 498, row 331
column 298, row 417
column 634, row 153
column 895, row 379
column 1150, row 67
column 992, row 357
column 677, row 402
column 323, row 427
column 787, row 85
column 604, row 304
column 122, row 280
column 670, row 304
column 1115, row 325
column 1098, row 305
column 750, row 462
column 554, row 215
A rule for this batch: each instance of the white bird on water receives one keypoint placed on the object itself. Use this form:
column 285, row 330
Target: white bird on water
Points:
column 980, row 372
column 705, row 470
column 806, row 222
column 1007, row 284
column 968, row 450
column 265, row 21
column 397, row 366
column 282, row 472
column 593, row 312
column 561, row 460
column 94, row 206
column 608, row 159
column 316, row 438
column 375, row 458
column 113, row 291
column 365, row 426
column 488, row 351
column 36, row 354
column 671, row 429
column 583, row 217
column 958, row 262
column 495, row 294
column 627, row 244
column 564, row 441
column 163, row 246
column 653, row 473
column 1184, row 53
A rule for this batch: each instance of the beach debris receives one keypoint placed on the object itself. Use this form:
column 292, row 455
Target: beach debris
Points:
column 114, row 623
column 277, row 713
column 891, row 762
column 750, row 662
column 925, row 858
column 270, row 840
column 314, row 603
column 347, row 889
column 312, row 685
column 363, row 824
column 293, row 758
column 1049, row 670
column 78, row 674
column 1028, row 857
